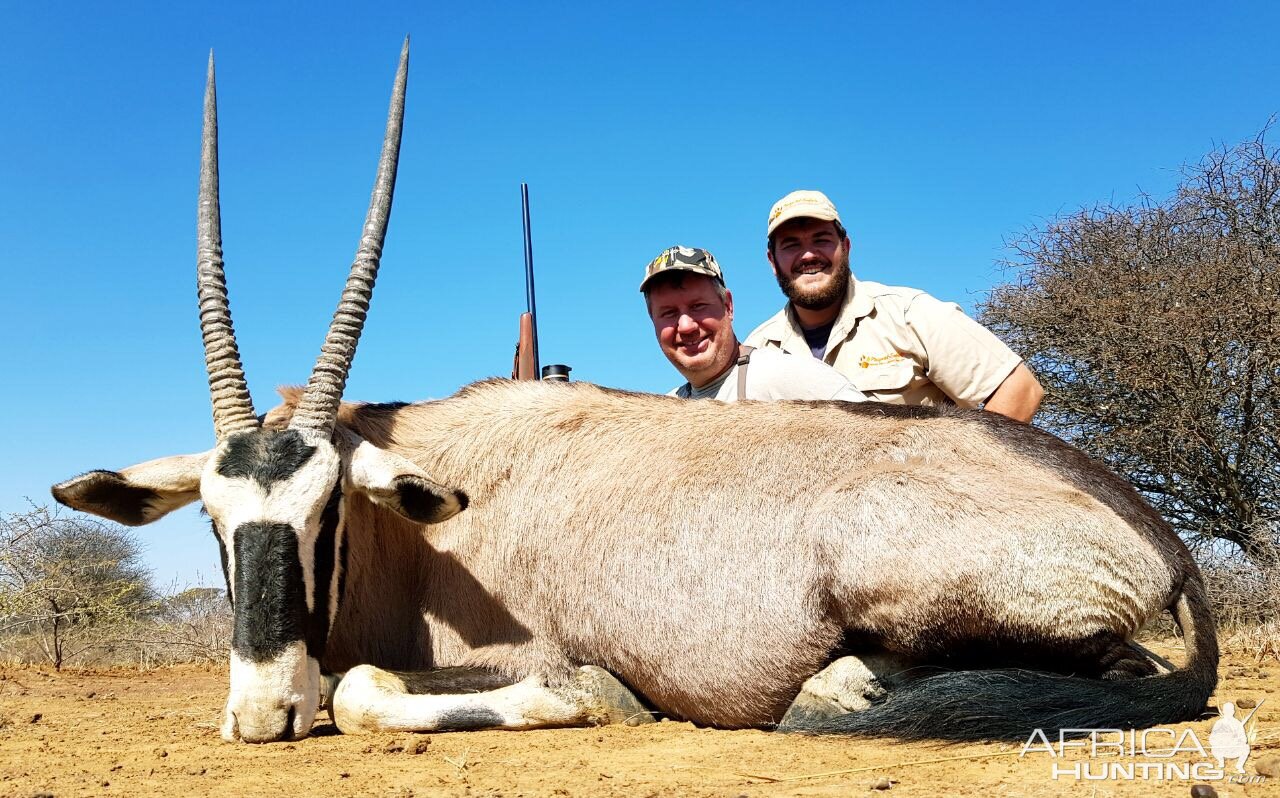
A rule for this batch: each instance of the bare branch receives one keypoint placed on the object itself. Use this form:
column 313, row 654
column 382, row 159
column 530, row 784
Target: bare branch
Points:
column 1155, row 331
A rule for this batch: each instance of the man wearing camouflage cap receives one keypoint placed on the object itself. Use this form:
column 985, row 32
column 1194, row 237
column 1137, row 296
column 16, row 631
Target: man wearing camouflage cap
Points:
column 896, row 345
column 692, row 314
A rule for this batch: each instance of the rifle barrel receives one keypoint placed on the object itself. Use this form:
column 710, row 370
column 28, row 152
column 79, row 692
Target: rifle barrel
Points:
column 530, row 305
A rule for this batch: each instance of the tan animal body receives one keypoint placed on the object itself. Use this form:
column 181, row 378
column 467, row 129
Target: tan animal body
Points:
column 715, row 556
column 525, row 536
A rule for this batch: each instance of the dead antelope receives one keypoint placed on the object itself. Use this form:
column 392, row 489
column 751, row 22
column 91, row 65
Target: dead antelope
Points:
column 714, row 557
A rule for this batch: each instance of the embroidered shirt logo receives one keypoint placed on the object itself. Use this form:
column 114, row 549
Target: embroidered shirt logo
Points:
column 868, row 361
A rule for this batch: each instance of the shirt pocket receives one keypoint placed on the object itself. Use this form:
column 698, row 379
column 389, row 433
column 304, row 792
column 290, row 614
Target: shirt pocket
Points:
column 894, row 377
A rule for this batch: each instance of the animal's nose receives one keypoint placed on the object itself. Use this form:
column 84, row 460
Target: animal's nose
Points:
column 263, row 725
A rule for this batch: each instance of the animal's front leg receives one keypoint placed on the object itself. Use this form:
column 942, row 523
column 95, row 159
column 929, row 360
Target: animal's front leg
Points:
column 328, row 684
column 372, row 700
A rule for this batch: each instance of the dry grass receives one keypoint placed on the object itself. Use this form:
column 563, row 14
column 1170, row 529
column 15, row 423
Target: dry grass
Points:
column 193, row 626
column 1246, row 603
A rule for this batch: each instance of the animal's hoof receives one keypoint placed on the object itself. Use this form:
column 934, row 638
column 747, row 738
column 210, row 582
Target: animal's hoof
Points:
column 849, row 684
column 807, row 712
column 609, row 700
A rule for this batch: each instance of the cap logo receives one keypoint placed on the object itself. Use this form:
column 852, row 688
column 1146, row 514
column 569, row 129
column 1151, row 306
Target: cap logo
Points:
column 799, row 204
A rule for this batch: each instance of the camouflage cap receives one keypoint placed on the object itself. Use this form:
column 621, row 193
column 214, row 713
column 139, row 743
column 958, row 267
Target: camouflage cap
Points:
column 684, row 259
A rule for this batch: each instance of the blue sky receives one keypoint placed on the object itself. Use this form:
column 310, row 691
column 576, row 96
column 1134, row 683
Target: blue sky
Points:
column 940, row 130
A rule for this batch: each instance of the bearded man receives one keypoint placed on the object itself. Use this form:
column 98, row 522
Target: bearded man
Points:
column 896, row 345
column 692, row 315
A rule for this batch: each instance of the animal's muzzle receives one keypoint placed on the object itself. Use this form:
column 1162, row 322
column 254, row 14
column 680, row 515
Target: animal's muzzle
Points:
column 272, row 701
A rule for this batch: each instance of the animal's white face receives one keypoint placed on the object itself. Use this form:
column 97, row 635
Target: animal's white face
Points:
column 276, row 495
column 275, row 498
column 276, row 501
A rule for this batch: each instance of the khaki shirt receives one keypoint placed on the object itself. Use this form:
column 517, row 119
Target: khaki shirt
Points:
column 773, row 375
column 902, row 346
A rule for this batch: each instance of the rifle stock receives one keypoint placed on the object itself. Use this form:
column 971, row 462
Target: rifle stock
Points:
column 525, row 366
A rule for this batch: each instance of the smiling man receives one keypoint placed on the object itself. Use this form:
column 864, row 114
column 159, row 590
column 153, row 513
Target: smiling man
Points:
column 692, row 314
column 896, row 345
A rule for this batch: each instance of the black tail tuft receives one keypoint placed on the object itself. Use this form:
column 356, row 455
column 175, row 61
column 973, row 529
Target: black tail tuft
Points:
column 1008, row 704
column 966, row 706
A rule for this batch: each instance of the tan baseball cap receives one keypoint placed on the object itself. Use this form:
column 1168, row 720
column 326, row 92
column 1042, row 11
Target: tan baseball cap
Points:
column 683, row 259
column 802, row 204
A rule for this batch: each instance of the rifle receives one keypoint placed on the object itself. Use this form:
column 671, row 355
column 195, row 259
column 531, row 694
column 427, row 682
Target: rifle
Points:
column 525, row 366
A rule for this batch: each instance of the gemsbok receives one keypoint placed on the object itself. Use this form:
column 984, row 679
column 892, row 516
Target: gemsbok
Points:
column 531, row 541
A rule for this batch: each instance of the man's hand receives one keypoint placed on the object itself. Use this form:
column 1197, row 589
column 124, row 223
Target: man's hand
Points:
column 1018, row 396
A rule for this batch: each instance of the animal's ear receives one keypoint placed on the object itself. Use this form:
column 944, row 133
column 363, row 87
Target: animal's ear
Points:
column 397, row 484
column 139, row 494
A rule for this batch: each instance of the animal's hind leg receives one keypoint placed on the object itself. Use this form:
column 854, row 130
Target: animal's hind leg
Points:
column 372, row 700
column 1102, row 655
column 1159, row 663
column 1126, row 661
column 849, row 684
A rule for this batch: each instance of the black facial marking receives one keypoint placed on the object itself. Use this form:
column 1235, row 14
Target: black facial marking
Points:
column 421, row 502
column 222, row 553
column 472, row 717
column 326, row 545
column 342, row 564
column 271, row 606
column 108, row 494
column 265, row 456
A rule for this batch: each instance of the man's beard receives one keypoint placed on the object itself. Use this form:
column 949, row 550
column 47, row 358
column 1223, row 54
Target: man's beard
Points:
column 822, row 298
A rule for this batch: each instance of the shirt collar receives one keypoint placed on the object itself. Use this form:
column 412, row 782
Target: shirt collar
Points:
column 856, row 304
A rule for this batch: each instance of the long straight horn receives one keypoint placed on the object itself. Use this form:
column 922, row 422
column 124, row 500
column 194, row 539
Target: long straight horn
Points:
column 232, row 405
column 319, row 406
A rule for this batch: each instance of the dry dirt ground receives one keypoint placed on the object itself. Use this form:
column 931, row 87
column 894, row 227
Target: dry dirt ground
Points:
column 156, row 733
